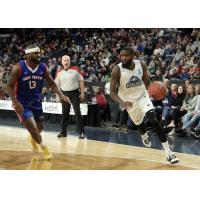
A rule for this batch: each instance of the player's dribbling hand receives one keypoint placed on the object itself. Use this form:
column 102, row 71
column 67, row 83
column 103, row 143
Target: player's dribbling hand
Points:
column 127, row 104
column 18, row 108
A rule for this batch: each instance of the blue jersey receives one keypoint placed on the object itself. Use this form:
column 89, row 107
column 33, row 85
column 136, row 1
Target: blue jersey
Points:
column 29, row 86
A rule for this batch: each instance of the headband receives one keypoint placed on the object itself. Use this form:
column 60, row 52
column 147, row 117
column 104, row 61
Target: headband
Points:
column 32, row 50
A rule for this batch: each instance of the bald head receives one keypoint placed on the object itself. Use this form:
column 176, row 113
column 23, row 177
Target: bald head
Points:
column 66, row 62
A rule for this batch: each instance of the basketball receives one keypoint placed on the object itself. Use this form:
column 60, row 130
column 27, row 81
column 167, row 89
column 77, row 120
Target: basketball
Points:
column 157, row 90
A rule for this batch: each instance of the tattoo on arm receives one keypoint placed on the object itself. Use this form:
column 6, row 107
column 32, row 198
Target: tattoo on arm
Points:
column 12, row 81
column 115, row 77
column 145, row 78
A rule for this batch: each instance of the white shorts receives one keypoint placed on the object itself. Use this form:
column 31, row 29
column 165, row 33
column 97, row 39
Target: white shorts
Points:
column 139, row 109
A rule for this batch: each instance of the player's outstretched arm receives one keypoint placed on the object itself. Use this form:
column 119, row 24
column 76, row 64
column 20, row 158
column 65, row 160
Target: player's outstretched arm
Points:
column 51, row 83
column 115, row 77
column 11, row 86
column 11, row 83
column 145, row 77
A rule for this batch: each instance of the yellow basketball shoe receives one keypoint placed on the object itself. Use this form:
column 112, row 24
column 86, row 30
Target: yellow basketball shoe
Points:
column 35, row 146
column 47, row 154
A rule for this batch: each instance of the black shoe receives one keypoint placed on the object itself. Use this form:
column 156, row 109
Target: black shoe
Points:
column 181, row 132
column 188, row 131
column 117, row 126
column 62, row 135
column 114, row 125
column 196, row 134
column 162, row 123
column 82, row 136
column 172, row 159
column 123, row 128
column 103, row 124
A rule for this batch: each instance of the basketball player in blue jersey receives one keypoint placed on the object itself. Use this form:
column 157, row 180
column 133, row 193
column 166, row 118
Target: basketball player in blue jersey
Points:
column 132, row 78
column 25, row 88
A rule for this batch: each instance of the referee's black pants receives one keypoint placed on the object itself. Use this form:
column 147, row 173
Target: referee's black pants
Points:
column 75, row 101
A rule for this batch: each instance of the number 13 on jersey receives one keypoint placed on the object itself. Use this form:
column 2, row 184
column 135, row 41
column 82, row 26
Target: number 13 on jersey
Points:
column 32, row 84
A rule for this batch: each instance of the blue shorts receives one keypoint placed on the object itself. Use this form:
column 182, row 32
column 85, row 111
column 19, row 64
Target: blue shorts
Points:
column 31, row 112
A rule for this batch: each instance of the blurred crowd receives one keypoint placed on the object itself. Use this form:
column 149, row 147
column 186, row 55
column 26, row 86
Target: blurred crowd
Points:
column 169, row 53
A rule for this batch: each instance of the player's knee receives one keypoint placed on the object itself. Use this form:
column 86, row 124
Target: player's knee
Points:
column 141, row 128
column 34, row 131
column 151, row 115
column 40, row 129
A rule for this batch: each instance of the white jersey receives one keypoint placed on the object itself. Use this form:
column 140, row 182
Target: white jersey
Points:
column 131, row 86
column 132, row 89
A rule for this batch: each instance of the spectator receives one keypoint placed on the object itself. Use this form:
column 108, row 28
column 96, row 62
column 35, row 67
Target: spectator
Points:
column 168, row 107
column 102, row 102
column 188, row 106
column 197, row 89
column 190, row 100
column 122, row 119
column 184, row 75
column 46, row 95
column 178, row 56
column 157, row 50
column 187, row 83
column 193, row 117
column 93, row 109
column 166, row 83
column 195, row 74
column 177, row 100
column 172, row 75
column 158, row 75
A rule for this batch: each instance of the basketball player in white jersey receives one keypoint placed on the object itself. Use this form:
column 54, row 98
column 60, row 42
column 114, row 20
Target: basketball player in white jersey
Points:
column 132, row 78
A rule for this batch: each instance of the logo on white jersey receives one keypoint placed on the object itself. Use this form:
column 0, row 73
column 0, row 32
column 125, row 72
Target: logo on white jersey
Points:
column 133, row 82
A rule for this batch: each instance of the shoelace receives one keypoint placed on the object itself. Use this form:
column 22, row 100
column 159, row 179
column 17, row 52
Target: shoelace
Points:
column 171, row 157
column 146, row 141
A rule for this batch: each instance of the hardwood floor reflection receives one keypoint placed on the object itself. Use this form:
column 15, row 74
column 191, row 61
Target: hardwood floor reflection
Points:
column 20, row 160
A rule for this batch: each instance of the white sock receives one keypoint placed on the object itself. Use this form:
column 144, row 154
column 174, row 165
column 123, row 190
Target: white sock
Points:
column 166, row 148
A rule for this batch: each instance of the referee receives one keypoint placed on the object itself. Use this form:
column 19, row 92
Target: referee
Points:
column 69, row 80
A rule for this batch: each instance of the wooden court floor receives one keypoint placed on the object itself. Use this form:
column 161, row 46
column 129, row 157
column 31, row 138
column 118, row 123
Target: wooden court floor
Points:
column 73, row 153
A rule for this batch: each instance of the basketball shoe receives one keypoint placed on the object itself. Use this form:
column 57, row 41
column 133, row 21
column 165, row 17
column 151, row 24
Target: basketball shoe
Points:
column 81, row 135
column 35, row 146
column 47, row 154
column 146, row 140
column 172, row 158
